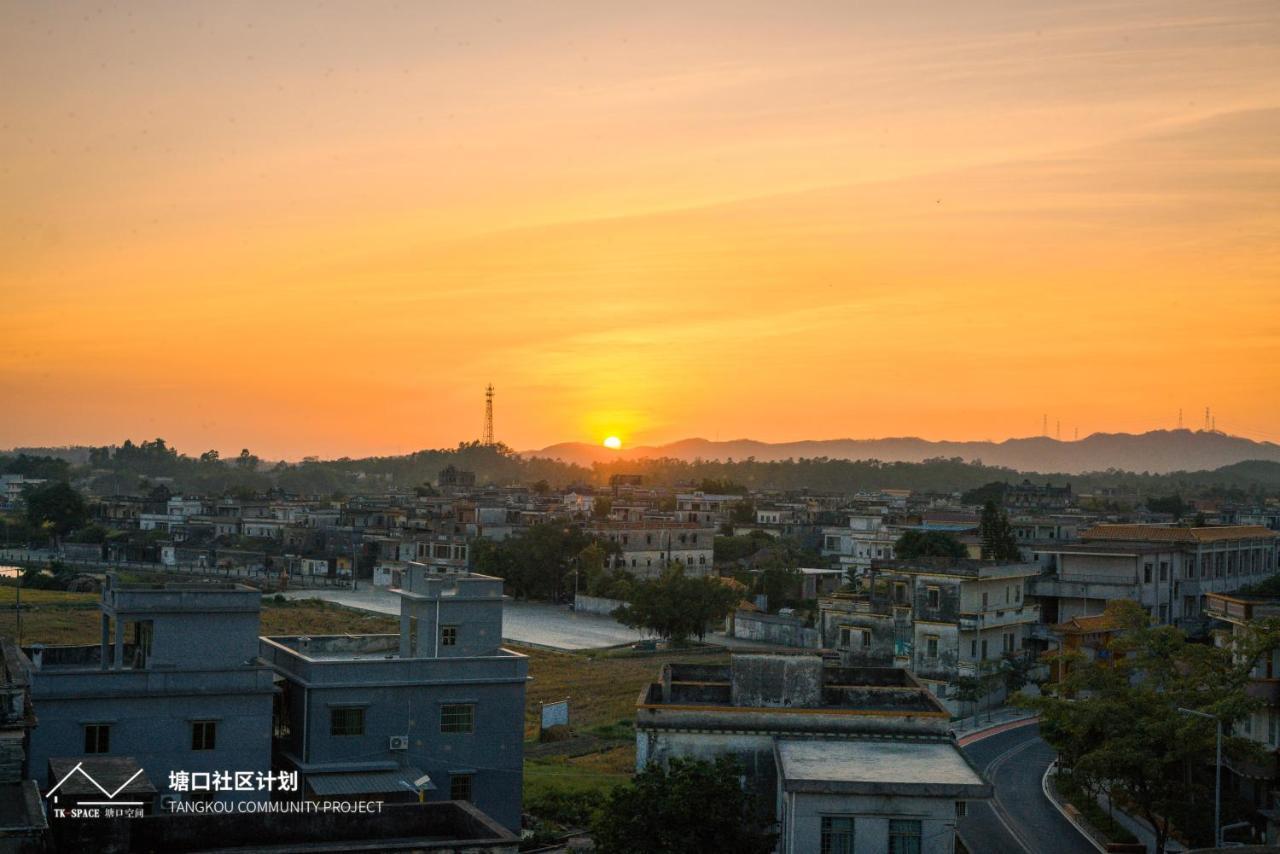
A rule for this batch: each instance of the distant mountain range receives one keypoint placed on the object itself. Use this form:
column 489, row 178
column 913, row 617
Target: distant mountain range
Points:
column 1158, row 452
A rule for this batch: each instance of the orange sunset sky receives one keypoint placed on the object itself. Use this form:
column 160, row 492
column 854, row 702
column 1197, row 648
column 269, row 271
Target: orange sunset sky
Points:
column 323, row 227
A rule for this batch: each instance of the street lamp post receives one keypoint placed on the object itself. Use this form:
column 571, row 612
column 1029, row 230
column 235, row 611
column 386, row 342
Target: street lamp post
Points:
column 1217, row 774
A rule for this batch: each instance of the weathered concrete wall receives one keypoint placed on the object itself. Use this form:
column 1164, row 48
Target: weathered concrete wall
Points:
column 596, row 604
column 802, row 830
column 766, row 628
column 775, row 681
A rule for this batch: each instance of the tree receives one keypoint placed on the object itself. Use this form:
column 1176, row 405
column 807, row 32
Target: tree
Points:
column 57, row 508
column 691, row 807
column 209, row 457
column 541, row 487
column 1171, row 504
column 535, row 562
column 1116, row 725
column 915, row 544
column 601, row 506
column 674, row 607
column 996, row 533
column 247, row 461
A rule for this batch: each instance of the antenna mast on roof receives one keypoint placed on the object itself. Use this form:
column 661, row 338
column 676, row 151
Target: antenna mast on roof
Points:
column 488, row 416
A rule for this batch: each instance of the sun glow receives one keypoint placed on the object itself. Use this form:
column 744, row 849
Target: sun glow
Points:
column 613, row 442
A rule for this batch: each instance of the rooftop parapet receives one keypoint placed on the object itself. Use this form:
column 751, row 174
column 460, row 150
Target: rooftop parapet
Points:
column 761, row 691
column 178, row 598
column 420, row 581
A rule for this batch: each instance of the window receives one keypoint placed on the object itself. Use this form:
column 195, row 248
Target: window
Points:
column 97, row 738
column 460, row 787
column 448, row 635
column 962, row 809
column 203, row 735
column 346, row 721
column 837, row 834
column 935, row 597
column 931, row 646
column 413, row 636
column 866, row 639
column 457, row 717
column 1146, row 573
column 1017, row 594
column 973, row 649
column 900, row 592
column 1164, row 570
column 984, row 601
column 984, row 650
column 904, row 836
column 844, row 638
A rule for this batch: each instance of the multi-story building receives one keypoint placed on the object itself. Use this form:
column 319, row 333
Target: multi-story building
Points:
column 843, row 753
column 867, row 538
column 1034, row 496
column 1168, row 570
column 938, row 618
column 1257, row 782
column 174, row 684
column 371, row 715
column 705, row 508
column 645, row 549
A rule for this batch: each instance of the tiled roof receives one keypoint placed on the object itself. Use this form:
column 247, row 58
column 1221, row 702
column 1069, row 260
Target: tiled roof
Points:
column 1170, row 534
column 1094, row 623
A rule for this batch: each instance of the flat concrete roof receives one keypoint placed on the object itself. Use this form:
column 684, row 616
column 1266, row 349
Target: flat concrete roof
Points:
column 877, row 767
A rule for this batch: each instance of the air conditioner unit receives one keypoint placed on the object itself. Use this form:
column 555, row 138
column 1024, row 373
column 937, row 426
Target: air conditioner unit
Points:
column 398, row 742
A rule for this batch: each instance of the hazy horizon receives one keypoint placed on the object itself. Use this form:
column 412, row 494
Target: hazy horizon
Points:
column 321, row 228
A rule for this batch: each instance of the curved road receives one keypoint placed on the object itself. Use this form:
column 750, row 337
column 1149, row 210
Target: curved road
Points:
column 1019, row 818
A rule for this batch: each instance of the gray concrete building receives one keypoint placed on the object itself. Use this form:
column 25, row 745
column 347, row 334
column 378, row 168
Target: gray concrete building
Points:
column 941, row 619
column 174, row 683
column 841, row 753
column 373, row 715
column 1168, row 570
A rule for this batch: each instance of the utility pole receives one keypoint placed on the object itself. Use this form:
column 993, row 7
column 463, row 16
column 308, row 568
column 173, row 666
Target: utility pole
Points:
column 1217, row 781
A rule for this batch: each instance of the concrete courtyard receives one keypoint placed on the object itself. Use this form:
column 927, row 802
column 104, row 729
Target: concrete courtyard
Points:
column 534, row 623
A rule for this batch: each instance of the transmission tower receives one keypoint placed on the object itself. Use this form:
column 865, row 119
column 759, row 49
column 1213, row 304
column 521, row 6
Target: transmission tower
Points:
column 488, row 415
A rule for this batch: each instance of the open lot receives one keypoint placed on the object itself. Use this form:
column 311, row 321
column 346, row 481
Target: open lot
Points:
column 536, row 623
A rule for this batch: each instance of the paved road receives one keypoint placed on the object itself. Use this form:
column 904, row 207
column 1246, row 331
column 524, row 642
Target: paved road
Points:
column 1019, row 818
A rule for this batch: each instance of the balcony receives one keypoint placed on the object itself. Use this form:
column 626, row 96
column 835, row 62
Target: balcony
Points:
column 1266, row 690
column 993, row 618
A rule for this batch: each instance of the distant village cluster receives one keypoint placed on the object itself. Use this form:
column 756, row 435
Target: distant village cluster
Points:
column 861, row 626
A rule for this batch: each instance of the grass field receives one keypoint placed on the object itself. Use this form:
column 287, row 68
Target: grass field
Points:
column 58, row 617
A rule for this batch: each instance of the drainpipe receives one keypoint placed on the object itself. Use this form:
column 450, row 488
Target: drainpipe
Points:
column 437, row 628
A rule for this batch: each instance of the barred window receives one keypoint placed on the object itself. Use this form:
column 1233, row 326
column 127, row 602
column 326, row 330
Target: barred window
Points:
column 457, row 717
column 347, row 721
column 837, row 834
column 460, row 787
column 448, row 635
column 904, row 836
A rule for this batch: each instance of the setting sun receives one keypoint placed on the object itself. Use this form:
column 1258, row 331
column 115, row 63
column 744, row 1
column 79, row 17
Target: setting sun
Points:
column 613, row 442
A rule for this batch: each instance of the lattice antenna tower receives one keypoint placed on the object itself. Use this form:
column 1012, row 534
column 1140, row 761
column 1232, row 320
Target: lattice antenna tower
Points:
column 488, row 415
